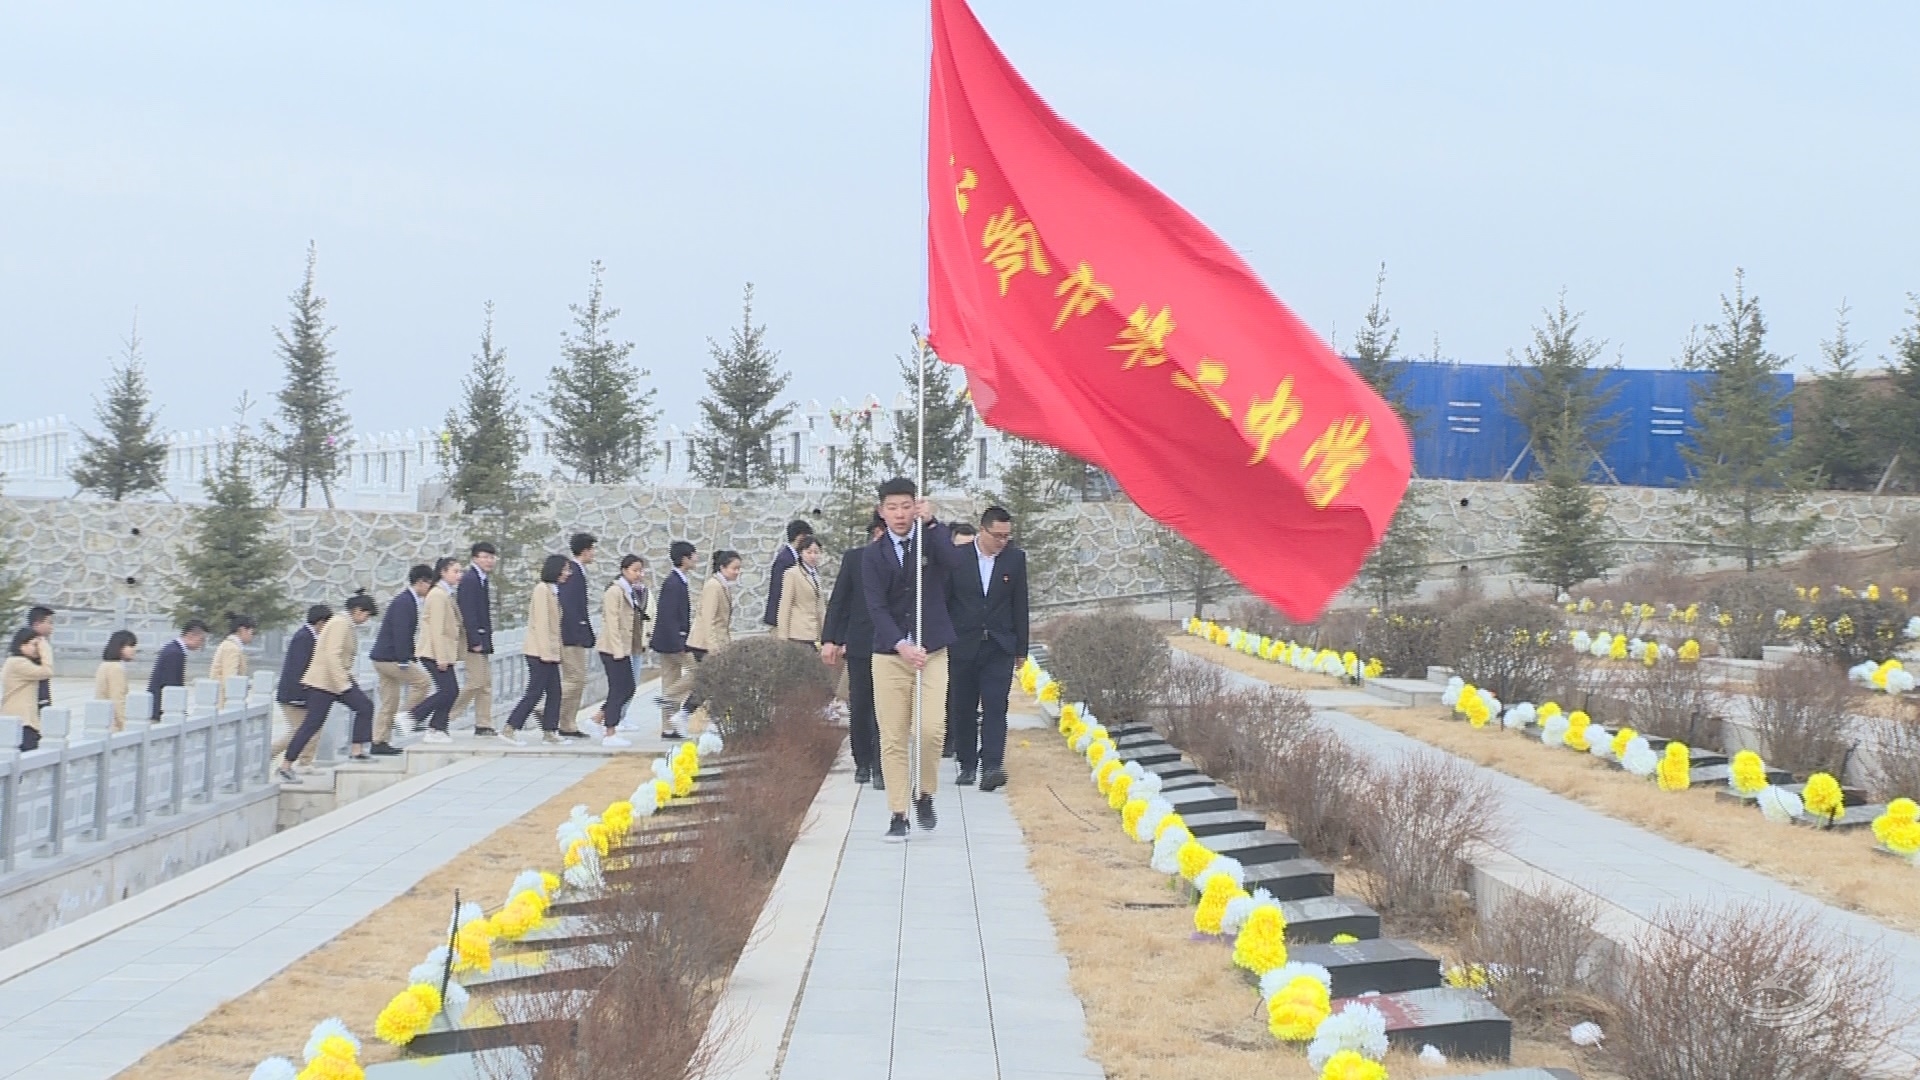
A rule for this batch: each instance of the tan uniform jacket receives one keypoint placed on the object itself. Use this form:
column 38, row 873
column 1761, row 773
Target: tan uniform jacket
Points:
column 713, row 623
column 799, row 618
column 20, row 688
column 618, row 623
column 440, row 638
column 333, row 656
column 110, row 684
column 229, row 659
column 543, row 624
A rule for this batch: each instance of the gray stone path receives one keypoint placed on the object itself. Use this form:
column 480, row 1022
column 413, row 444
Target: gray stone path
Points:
column 936, row 959
column 91, row 1012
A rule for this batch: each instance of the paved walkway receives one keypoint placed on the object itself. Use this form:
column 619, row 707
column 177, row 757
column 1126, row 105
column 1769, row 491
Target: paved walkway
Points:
column 936, row 959
column 92, row 1011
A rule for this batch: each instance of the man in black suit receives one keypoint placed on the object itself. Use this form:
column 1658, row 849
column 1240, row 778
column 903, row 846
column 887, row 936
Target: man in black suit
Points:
column 475, row 598
column 782, row 560
column 170, row 666
column 403, row 683
column 291, row 693
column 888, row 570
column 848, row 635
column 576, row 635
column 990, row 627
column 671, row 622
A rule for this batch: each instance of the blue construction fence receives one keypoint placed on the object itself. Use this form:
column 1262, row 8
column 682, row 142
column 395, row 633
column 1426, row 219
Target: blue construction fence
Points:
column 1463, row 430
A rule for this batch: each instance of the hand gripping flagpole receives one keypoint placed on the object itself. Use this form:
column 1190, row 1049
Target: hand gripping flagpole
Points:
column 919, row 552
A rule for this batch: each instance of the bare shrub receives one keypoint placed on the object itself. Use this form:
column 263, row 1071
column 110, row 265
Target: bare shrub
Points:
column 1509, row 647
column 1743, row 611
column 1749, row 992
column 1848, row 630
column 1242, row 735
column 1674, row 701
column 1467, row 586
column 1115, row 663
column 1895, row 769
column 1668, row 575
column 751, row 683
column 1800, row 716
column 1318, row 785
column 1906, row 534
column 1192, row 686
column 1406, row 641
column 1422, row 817
column 1536, row 949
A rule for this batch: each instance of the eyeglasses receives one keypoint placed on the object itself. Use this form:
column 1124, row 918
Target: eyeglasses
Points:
column 1008, row 535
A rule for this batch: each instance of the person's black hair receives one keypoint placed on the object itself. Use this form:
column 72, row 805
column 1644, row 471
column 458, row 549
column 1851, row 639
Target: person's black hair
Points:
column 899, row 485
column 680, row 551
column 629, row 560
column 580, row 542
column 38, row 613
column 440, row 566
column 551, row 569
column 318, row 613
column 993, row 515
column 120, row 640
column 876, row 524
column 193, row 626
column 420, row 572
column 237, row 623
column 482, row 548
column 962, row 529
column 362, row 602
column 798, row 528
column 722, row 557
column 21, row 637
column 807, row 540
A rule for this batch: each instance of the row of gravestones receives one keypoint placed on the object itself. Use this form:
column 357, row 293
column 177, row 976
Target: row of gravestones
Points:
column 1397, row 977
column 538, row 984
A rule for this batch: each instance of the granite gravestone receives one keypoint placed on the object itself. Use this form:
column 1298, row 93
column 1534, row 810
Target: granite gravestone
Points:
column 1459, row 1023
column 1320, row 919
column 1380, row 965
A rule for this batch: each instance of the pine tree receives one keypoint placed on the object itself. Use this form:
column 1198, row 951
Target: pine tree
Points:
column 1751, row 494
column 1895, row 418
column 857, row 470
column 1027, row 491
column 1556, row 390
column 949, row 422
column 1394, row 570
column 1566, row 537
column 599, row 422
column 483, row 448
column 233, row 562
column 739, row 418
column 127, row 458
column 307, row 450
column 1831, row 432
column 1373, row 352
column 1184, row 568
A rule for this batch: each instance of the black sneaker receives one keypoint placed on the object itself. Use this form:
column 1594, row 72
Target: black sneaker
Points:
column 923, row 812
column 479, row 731
column 879, row 780
column 286, row 775
column 897, row 831
column 862, row 774
column 967, row 777
column 575, row 735
column 994, row 780
column 381, row 749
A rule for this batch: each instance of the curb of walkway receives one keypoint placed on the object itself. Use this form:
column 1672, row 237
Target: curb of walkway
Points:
column 43, row 949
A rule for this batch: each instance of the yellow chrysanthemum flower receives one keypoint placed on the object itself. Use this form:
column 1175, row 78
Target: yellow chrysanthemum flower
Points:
column 1261, row 944
column 1348, row 1065
column 1824, row 798
column 1297, row 1010
column 1117, row 790
column 1131, row 814
column 1212, row 911
column 1620, row 740
column 1749, row 773
column 1168, row 822
column 1675, row 771
column 1193, row 857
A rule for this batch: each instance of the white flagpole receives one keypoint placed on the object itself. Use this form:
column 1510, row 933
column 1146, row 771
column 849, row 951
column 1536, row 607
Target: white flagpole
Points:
column 919, row 551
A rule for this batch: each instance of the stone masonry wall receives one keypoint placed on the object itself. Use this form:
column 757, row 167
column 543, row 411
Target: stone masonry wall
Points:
column 81, row 555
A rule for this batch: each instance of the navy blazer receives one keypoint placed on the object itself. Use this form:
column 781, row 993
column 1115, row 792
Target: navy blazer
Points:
column 782, row 559
column 576, row 625
column 475, row 598
column 1001, row 612
column 394, row 643
column 169, row 669
column 847, row 623
column 887, row 588
column 674, row 617
column 291, row 690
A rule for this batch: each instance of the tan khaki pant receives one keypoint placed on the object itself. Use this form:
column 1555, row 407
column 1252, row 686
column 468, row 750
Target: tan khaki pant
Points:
column 676, row 681
column 293, row 716
column 893, row 707
column 402, row 686
column 573, row 684
column 478, row 689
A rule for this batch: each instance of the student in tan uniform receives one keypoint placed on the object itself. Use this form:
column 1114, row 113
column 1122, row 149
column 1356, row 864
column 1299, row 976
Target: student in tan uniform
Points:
column 712, row 623
column 291, row 693
column 623, row 612
column 801, row 606
column 29, row 660
column 230, row 656
column 110, row 678
column 440, row 645
column 329, row 678
column 542, row 649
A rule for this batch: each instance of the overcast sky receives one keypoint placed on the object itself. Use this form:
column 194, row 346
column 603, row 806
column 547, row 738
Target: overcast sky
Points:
column 175, row 160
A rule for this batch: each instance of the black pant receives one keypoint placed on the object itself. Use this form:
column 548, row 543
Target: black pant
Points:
column 979, row 678
column 619, row 689
column 543, row 682
column 29, row 738
column 319, row 704
column 437, row 708
column 863, row 725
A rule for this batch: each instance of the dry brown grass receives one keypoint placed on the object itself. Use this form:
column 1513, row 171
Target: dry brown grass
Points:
column 354, row 975
column 1839, row 868
column 1159, row 1004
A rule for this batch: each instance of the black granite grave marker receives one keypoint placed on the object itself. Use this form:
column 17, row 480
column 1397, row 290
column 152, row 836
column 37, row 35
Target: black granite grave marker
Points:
column 1172, row 770
column 1320, row 919
column 1458, row 1023
column 1201, row 799
column 1252, row 847
column 1292, row 879
column 1219, row 822
column 1382, row 966
column 1149, row 754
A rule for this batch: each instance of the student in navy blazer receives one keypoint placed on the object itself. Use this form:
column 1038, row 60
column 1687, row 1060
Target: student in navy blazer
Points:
column 291, row 693
column 848, row 634
column 782, row 561
column 672, row 621
column 170, row 665
column 989, row 608
column 403, row 683
column 576, row 634
column 475, row 597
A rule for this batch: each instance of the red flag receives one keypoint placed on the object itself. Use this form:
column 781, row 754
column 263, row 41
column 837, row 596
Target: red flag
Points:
column 1093, row 314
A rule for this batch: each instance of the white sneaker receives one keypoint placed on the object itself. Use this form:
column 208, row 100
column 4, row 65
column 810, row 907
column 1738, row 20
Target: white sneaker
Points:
column 553, row 738
column 615, row 741
column 510, row 737
column 436, row 737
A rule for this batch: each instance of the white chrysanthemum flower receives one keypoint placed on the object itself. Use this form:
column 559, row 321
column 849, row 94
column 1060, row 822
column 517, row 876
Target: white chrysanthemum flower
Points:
column 1913, row 627
column 1580, row 641
column 1166, row 850
column 709, row 743
column 1638, row 758
column 1636, row 649
column 1779, row 805
column 1899, row 681
column 455, row 1002
column 1431, row 1055
column 662, row 769
column 1221, row 865
column 645, row 800
column 1863, row 670
column 275, row 1068
column 1276, row 980
column 468, row 912
column 326, row 1029
column 527, row 881
column 1451, row 695
column 1586, row 1034
column 1492, row 703
column 432, row 969
column 1143, row 829
column 1148, row 786
column 1236, row 914
column 1600, row 742
column 1519, row 716
column 1554, row 731
column 1359, row 1028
